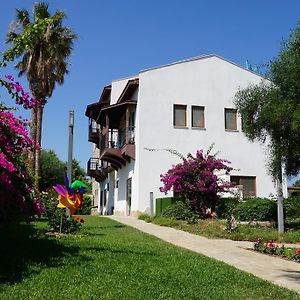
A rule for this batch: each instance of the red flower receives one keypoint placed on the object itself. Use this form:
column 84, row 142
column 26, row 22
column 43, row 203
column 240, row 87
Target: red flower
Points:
column 297, row 251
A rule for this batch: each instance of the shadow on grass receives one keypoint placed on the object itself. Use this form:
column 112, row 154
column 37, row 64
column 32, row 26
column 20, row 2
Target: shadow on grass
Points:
column 23, row 252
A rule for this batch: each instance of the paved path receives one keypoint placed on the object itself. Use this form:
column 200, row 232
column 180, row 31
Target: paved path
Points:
column 279, row 271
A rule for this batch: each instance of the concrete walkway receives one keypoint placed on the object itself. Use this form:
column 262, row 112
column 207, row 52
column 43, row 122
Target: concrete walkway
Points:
column 279, row 271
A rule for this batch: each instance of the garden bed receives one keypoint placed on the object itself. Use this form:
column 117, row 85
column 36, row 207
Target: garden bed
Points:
column 273, row 249
column 217, row 228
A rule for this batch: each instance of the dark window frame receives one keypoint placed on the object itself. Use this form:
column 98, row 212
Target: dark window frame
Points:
column 237, row 179
column 236, row 119
column 202, row 108
column 174, row 119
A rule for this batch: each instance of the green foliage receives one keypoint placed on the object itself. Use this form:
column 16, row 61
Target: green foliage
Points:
column 225, row 206
column 77, row 171
column 292, row 207
column 145, row 217
column 260, row 209
column 52, row 169
column 163, row 203
column 163, row 221
column 273, row 109
column 86, row 206
column 180, row 211
column 296, row 183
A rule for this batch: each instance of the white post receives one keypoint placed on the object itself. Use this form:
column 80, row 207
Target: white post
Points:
column 151, row 204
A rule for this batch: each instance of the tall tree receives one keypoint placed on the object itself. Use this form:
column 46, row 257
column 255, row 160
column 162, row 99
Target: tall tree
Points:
column 44, row 61
column 271, row 113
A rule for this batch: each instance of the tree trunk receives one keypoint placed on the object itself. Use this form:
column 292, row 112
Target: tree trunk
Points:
column 33, row 125
column 39, row 142
column 280, row 200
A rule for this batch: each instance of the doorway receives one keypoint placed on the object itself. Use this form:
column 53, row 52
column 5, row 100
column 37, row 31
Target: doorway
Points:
column 128, row 196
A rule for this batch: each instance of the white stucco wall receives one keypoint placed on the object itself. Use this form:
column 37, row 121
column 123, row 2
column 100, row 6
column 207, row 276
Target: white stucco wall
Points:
column 122, row 175
column 118, row 87
column 212, row 83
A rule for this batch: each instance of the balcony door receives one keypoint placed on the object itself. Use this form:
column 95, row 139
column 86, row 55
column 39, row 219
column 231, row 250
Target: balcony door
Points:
column 128, row 196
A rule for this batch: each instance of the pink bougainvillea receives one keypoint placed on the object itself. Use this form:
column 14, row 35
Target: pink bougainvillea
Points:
column 15, row 143
column 197, row 181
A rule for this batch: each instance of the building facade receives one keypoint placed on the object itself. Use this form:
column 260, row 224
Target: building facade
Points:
column 185, row 106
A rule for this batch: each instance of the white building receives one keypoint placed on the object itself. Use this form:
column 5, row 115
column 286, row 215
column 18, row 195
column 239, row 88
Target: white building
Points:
column 186, row 106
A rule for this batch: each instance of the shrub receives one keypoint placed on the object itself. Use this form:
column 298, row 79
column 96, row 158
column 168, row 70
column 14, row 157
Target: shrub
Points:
column 261, row 209
column 145, row 218
column 292, row 207
column 195, row 179
column 163, row 221
column 180, row 211
column 225, row 207
column 86, row 206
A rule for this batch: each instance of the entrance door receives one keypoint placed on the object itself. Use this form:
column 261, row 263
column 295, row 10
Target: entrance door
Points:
column 128, row 197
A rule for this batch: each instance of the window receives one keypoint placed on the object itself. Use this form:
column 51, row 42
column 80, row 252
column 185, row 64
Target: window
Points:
column 230, row 119
column 198, row 116
column 179, row 116
column 248, row 184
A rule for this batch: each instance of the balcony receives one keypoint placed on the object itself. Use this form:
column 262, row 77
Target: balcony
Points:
column 117, row 146
column 93, row 132
column 98, row 169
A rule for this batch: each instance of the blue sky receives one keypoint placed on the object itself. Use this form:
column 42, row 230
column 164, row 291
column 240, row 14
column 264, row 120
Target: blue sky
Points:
column 119, row 38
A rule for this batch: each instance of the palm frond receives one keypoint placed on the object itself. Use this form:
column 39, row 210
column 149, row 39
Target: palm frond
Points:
column 22, row 17
column 40, row 11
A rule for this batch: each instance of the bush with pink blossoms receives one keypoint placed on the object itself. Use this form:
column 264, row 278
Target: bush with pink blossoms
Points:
column 196, row 180
column 15, row 181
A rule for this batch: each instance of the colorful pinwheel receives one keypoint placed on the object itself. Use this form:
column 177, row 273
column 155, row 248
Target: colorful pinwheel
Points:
column 70, row 196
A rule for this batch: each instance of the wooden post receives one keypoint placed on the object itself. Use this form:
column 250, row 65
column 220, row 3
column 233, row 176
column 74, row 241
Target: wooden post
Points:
column 127, row 126
column 107, row 131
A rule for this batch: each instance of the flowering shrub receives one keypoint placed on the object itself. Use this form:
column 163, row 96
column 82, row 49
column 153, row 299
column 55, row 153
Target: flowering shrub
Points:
column 270, row 248
column 15, row 180
column 195, row 179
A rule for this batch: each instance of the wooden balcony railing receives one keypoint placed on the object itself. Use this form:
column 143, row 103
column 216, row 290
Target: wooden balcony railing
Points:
column 94, row 132
column 97, row 168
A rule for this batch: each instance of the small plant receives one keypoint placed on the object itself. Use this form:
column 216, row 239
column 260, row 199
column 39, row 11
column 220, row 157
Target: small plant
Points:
column 86, row 207
column 180, row 211
column 270, row 248
column 145, row 218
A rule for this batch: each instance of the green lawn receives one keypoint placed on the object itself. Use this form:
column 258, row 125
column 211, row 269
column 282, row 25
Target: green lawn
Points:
column 107, row 260
column 214, row 229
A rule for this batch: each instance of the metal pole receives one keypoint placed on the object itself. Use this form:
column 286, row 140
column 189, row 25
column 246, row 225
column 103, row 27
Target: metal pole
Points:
column 70, row 150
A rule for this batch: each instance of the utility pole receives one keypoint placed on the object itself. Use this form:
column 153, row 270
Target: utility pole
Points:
column 70, row 150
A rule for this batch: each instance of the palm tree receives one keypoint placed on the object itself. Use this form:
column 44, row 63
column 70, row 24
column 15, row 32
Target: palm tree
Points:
column 44, row 62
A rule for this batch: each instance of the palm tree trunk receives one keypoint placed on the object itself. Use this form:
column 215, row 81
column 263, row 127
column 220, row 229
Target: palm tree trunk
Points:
column 38, row 141
column 33, row 125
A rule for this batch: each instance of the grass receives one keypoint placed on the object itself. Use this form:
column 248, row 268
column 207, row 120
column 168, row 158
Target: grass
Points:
column 107, row 260
column 212, row 228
